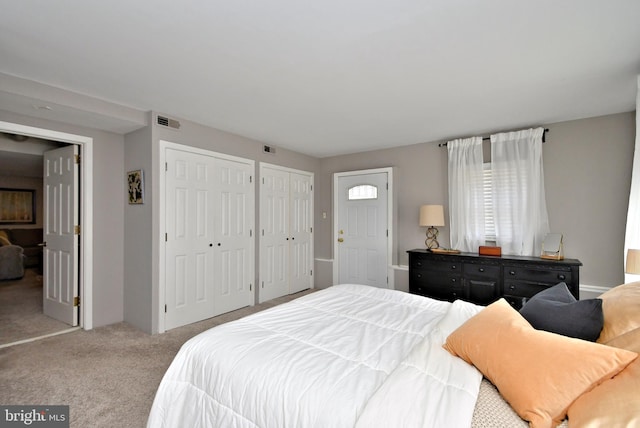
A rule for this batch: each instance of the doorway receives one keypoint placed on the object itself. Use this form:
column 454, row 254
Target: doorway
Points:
column 84, row 263
column 362, row 225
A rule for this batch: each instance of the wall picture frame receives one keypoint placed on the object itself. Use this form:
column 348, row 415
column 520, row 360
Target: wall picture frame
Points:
column 135, row 183
column 17, row 206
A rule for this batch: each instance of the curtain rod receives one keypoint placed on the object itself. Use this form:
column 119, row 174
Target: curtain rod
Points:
column 544, row 133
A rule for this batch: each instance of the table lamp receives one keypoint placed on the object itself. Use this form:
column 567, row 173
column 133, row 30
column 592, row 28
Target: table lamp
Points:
column 432, row 216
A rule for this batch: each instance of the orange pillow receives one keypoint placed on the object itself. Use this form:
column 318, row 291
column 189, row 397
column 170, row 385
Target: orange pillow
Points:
column 620, row 308
column 4, row 239
column 539, row 373
column 615, row 402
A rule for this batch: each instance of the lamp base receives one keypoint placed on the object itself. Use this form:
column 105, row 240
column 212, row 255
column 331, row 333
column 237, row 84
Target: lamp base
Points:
column 432, row 238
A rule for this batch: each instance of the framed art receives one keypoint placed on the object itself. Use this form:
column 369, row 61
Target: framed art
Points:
column 135, row 180
column 17, row 206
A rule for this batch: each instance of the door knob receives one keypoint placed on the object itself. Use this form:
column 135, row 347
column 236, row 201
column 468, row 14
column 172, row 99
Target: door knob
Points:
column 340, row 240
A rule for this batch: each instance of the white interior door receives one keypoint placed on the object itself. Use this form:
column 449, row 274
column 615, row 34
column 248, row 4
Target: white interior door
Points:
column 274, row 226
column 60, row 270
column 233, row 235
column 361, row 229
column 189, row 198
column 300, row 232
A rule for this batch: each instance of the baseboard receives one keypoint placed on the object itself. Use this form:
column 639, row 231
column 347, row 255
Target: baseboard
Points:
column 592, row 290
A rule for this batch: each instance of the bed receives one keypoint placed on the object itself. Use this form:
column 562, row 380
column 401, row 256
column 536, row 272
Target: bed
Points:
column 346, row 356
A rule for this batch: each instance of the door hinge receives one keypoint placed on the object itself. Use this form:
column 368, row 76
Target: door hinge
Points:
column 387, row 186
column 77, row 159
column 262, row 284
column 166, row 166
column 387, row 233
column 262, row 180
column 312, row 187
column 387, row 280
column 76, row 301
column 250, row 179
column 250, row 233
column 165, row 309
column 262, row 232
column 311, row 272
column 76, row 229
column 311, row 230
column 250, row 287
column 166, row 237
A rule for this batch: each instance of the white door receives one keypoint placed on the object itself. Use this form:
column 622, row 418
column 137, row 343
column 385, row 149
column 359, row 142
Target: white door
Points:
column 60, row 271
column 233, row 219
column 189, row 253
column 274, row 225
column 361, row 229
column 300, row 232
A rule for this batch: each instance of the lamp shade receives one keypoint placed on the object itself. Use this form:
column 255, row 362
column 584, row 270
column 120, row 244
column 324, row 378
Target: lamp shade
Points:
column 633, row 262
column 431, row 215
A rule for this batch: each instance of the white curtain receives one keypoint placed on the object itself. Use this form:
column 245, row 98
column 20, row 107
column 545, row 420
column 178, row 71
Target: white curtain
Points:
column 632, row 235
column 519, row 205
column 466, row 196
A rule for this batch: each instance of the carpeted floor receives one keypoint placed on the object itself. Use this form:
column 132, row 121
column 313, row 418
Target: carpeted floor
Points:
column 21, row 314
column 108, row 376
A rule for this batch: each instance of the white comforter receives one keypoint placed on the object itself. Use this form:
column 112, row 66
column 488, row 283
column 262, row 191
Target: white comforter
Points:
column 345, row 356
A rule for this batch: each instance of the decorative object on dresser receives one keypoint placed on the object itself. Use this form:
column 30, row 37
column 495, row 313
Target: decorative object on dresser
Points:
column 484, row 279
column 552, row 247
column 432, row 216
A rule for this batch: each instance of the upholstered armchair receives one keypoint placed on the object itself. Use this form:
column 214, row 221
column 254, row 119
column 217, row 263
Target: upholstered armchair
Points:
column 11, row 262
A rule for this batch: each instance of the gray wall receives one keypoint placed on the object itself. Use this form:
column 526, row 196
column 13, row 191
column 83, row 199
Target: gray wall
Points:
column 587, row 166
column 108, row 230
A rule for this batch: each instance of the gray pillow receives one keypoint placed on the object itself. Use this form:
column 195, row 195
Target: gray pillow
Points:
column 557, row 311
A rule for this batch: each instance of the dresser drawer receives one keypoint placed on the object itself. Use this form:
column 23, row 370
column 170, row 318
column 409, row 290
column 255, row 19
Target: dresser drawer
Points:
column 481, row 271
column 535, row 274
column 442, row 266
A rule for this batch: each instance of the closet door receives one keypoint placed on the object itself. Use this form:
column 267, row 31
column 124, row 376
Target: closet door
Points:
column 189, row 274
column 274, row 237
column 209, row 248
column 286, row 231
column 233, row 221
column 300, row 231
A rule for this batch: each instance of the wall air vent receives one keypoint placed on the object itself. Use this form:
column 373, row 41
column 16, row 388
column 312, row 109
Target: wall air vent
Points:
column 169, row 123
column 269, row 149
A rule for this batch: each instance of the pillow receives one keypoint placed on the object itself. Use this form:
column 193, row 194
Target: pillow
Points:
column 615, row 402
column 4, row 238
column 620, row 306
column 539, row 373
column 557, row 311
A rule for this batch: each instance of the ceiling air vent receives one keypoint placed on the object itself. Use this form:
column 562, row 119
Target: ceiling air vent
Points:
column 269, row 149
column 170, row 123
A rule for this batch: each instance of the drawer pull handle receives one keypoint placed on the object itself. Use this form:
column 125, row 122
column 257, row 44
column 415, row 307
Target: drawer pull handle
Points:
column 453, row 266
column 481, row 270
column 512, row 287
column 418, row 263
column 562, row 277
column 453, row 280
column 419, row 275
column 512, row 273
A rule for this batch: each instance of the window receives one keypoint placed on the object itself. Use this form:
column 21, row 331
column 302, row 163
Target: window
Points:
column 363, row 191
column 489, row 225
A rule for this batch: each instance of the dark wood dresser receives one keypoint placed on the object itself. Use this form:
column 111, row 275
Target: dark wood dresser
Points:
column 484, row 279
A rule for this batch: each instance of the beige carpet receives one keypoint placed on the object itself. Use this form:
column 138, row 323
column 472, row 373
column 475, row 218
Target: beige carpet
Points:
column 21, row 314
column 108, row 376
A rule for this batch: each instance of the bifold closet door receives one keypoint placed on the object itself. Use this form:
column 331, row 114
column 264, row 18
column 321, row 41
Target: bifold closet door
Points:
column 286, row 232
column 234, row 213
column 209, row 243
column 274, row 236
column 189, row 254
column 300, row 231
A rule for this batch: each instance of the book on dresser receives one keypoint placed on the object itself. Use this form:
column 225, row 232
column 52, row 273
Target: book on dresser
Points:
column 485, row 279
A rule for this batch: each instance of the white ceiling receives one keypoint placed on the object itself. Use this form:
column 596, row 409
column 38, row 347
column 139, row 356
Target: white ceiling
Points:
column 335, row 76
